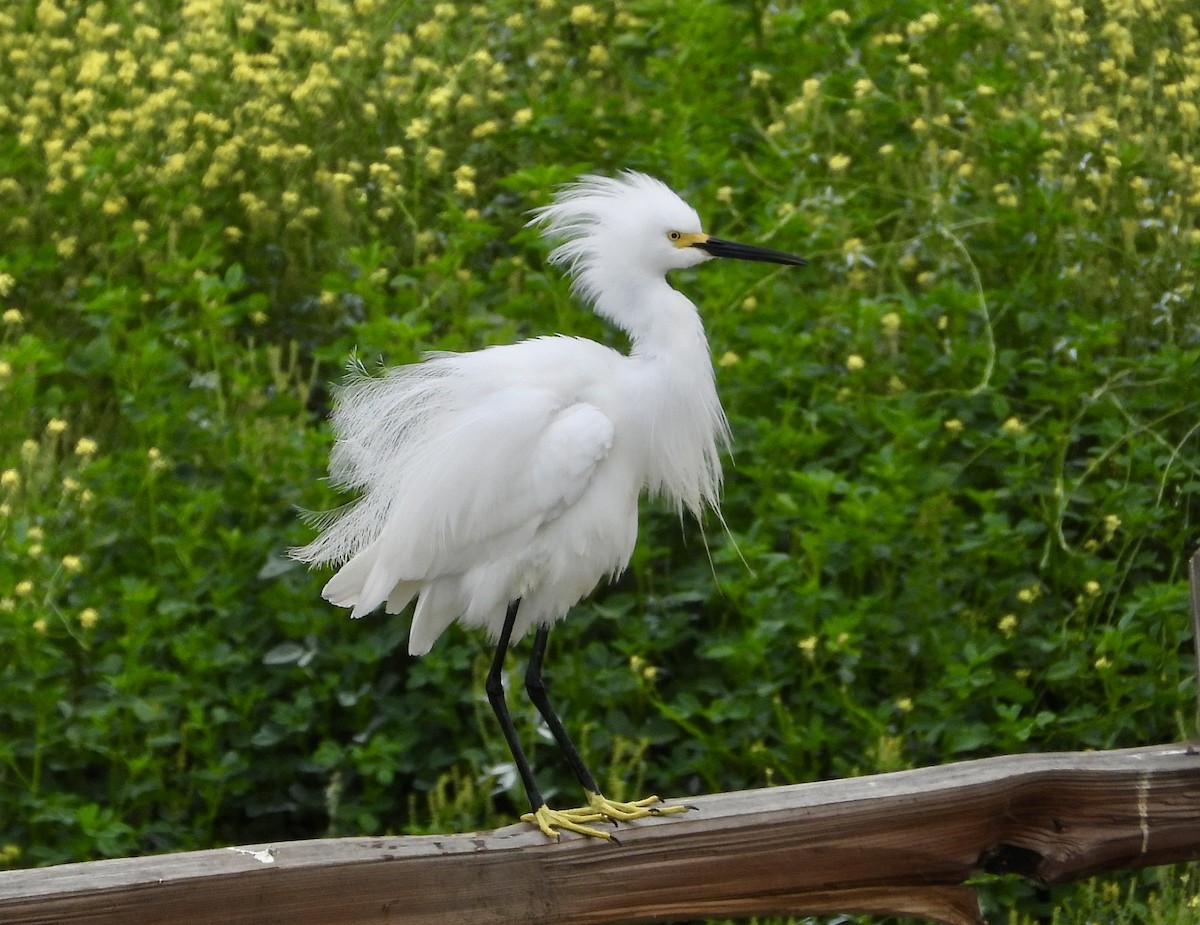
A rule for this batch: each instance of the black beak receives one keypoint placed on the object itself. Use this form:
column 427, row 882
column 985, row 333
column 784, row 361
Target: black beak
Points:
column 721, row 248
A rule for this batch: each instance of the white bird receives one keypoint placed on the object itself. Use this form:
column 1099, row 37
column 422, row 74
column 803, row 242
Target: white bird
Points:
column 499, row 487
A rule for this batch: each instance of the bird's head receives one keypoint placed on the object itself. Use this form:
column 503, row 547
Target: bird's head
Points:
column 623, row 229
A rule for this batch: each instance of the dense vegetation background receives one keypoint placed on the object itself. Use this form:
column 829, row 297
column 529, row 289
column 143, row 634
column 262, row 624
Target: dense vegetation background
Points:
column 967, row 437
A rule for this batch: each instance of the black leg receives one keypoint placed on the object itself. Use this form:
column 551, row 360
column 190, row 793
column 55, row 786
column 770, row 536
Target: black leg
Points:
column 537, row 693
column 495, row 694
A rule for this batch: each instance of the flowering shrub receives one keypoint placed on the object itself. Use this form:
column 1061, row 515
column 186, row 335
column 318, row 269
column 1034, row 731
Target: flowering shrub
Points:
column 966, row 438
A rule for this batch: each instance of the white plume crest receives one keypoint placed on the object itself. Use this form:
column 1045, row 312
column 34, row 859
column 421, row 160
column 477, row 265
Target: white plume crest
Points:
column 604, row 224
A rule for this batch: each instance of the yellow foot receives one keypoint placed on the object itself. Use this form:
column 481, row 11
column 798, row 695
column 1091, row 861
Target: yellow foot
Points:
column 599, row 809
column 624, row 812
column 552, row 821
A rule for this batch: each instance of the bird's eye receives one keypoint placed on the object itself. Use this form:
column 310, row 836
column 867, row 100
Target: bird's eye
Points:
column 674, row 235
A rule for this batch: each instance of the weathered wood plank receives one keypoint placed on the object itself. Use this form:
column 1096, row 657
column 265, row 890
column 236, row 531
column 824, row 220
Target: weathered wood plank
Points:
column 1194, row 585
column 891, row 843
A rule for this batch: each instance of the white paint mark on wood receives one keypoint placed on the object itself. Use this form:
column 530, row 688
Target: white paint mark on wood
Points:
column 263, row 856
column 1143, row 809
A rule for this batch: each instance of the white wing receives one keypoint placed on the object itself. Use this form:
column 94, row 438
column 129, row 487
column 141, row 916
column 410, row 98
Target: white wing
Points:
column 495, row 557
column 455, row 485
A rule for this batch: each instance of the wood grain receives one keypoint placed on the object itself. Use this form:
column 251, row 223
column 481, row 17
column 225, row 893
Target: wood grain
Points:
column 1194, row 586
column 892, row 843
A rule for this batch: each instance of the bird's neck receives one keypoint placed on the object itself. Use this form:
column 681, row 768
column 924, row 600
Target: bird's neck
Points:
column 672, row 386
column 660, row 320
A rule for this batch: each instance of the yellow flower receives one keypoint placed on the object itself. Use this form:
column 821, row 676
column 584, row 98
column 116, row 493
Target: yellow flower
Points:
column 839, row 162
column 1092, row 589
column 439, row 98
column 10, row 479
column 6, row 284
column 759, row 78
column 854, row 362
column 988, row 15
column 417, row 128
column 49, row 15
column 86, row 446
column 72, row 563
column 522, row 117
column 88, row 617
column 5, row 369
column 584, row 14
column 729, row 358
column 429, row 31
column 905, row 704
column 838, row 18
column 953, row 426
column 40, row 626
column 890, row 322
column 484, row 129
column 808, row 646
column 23, row 588
column 13, row 316
column 1008, row 625
column 55, row 426
column 464, row 180
column 1013, row 426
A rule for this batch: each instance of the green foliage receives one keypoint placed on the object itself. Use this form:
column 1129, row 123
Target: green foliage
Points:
column 966, row 440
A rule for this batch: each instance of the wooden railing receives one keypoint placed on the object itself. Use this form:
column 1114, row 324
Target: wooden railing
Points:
column 901, row 843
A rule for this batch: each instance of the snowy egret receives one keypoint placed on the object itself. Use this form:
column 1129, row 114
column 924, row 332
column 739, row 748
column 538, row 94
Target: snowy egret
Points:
column 499, row 487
